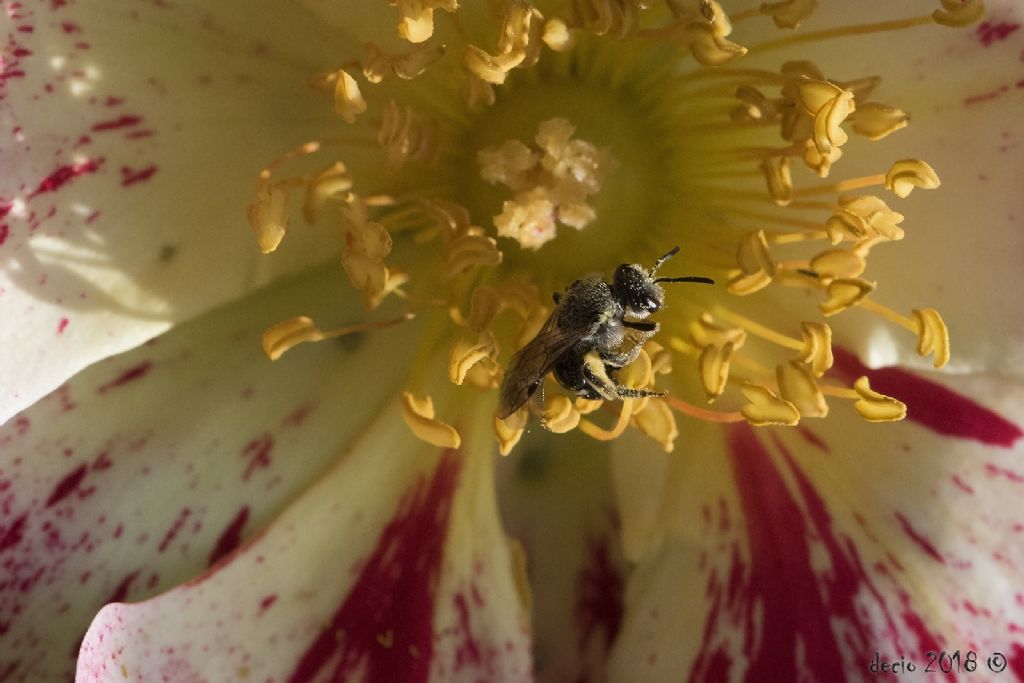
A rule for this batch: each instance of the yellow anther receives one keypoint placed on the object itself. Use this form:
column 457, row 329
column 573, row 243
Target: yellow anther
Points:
column 907, row 174
column 616, row 18
column 841, row 263
column 932, row 335
column 416, row 17
column 333, row 181
column 419, row 416
column 404, row 137
column 818, row 162
column 454, row 217
column 467, row 353
column 393, row 280
column 409, row 65
column 789, row 13
column 710, row 48
column 797, row 385
column 877, row 217
column 757, row 268
column 489, row 68
column 829, row 105
column 657, row 422
column 705, row 331
column 766, row 408
column 289, row 333
column 510, row 430
column 639, row 373
column 817, row 351
column 958, row 13
column 876, row 407
column 780, row 181
column 268, row 215
column 874, row 121
column 757, row 107
column 348, row 99
column 845, row 225
column 484, row 304
column 713, row 365
column 661, row 358
column 557, row 35
column 559, row 414
column 468, row 252
column 845, row 292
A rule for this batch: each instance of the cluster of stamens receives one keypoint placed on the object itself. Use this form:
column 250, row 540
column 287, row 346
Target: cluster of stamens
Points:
column 784, row 236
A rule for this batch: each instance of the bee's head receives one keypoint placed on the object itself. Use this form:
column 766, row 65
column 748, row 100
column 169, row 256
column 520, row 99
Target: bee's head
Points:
column 635, row 288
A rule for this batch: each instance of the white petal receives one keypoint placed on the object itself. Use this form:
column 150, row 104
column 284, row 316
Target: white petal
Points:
column 132, row 136
column 799, row 554
column 147, row 468
column 393, row 567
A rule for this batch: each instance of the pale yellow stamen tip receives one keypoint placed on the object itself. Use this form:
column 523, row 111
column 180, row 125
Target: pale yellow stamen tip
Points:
column 766, row 408
column 797, row 385
column 559, row 415
column 268, row 215
column 907, row 174
column 333, row 181
column 466, row 354
column 658, row 423
column 757, row 268
column 789, row 13
column 933, row 337
column 817, row 351
column 876, row 407
column 874, row 121
column 419, row 416
column 713, row 365
column 510, row 430
column 348, row 98
column 844, row 293
column 838, row 263
column 557, row 35
column 959, row 13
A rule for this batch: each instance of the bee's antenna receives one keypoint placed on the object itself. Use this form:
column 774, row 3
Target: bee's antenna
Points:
column 690, row 278
column 657, row 264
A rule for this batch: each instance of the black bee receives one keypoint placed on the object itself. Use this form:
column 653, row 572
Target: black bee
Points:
column 582, row 338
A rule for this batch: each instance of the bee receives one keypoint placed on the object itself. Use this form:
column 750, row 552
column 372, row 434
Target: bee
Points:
column 582, row 340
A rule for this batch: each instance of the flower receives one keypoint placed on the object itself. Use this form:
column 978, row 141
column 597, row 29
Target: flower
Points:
column 310, row 534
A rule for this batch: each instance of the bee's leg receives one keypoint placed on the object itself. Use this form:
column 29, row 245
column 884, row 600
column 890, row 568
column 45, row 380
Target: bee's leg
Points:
column 622, row 359
column 596, row 377
column 603, row 384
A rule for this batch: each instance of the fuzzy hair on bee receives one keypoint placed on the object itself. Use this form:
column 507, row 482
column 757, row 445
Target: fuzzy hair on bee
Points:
column 582, row 341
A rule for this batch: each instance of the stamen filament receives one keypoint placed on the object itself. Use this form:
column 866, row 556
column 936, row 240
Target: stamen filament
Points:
column 702, row 413
column 889, row 314
column 842, row 186
column 839, row 392
column 593, row 431
column 841, row 31
column 756, row 328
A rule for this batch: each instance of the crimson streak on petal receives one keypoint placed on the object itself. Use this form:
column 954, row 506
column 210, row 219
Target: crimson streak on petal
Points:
column 801, row 611
column 933, row 405
column 384, row 627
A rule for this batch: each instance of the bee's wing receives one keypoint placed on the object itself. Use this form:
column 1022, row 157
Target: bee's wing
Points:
column 529, row 364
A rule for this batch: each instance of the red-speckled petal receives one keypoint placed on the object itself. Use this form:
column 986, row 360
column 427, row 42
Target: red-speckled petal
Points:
column 131, row 139
column 798, row 554
column 149, row 467
column 556, row 501
column 392, row 568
